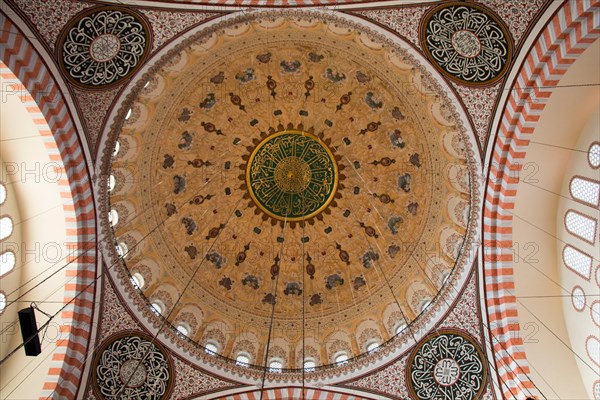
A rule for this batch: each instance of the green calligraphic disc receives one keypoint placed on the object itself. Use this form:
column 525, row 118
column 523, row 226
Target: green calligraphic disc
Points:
column 292, row 175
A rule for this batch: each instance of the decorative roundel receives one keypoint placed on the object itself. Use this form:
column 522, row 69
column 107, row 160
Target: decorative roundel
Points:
column 102, row 46
column 466, row 42
column 132, row 366
column 292, row 175
column 447, row 364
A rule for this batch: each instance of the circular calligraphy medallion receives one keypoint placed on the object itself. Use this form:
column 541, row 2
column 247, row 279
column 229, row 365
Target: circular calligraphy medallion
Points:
column 102, row 46
column 467, row 42
column 132, row 366
column 292, row 175
column 447, row 364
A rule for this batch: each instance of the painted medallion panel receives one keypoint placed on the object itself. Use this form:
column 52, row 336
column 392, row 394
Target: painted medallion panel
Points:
column 467, row 42
column 103, row 46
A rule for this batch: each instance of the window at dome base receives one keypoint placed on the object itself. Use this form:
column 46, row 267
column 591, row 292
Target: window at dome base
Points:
column 400, row 328
column 157, row 307
column 211, row 348
column 341, row 358
column 309, row 365
column 137, row 280
column 183, row 330
column 423, row 306
column 275, row 366
column 372, row 346
column 242, row 360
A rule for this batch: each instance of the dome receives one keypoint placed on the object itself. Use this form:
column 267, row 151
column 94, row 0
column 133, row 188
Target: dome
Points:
column 298, row 187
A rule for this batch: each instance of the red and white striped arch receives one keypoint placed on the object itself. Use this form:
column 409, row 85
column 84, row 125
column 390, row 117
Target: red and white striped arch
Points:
column 24, row 71
column 571, row 30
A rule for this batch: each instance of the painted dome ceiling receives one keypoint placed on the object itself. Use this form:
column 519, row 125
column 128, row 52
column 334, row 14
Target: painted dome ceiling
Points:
column 293, row 182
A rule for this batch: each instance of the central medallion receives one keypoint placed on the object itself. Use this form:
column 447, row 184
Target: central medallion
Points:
column 292, row 175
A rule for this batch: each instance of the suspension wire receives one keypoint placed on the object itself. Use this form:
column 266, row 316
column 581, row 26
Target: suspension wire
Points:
column 190, row 280
column 404, row 317
column 84, row 290
column 462, row 324
column 278, row 263
column 385, row 276
column 140, row 213
column 303, row 273
column 409, row 323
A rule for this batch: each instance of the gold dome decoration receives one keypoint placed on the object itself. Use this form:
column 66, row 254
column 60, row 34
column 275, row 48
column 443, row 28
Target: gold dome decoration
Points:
column 209, row 111
column 292, row 175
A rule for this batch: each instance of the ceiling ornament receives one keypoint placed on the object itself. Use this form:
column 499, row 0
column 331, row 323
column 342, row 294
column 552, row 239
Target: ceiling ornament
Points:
column 447, row 364
column 292, row 175
column 467, row 43
column 103, row 46
column 228, row 97
column 132, row 366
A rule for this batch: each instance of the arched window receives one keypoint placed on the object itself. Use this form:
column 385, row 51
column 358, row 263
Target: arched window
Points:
column 424, row 304
column 137, row 280
column 341, row 358
column 2, row 193
column 594, row 155
column 578, row 298
column 243, row 359
column 7, row 262
column 275, row 365
column 183, row 329
column 309, row 364
column 112, row 181
column 158, row 307
column 122, row 249
column 6, row 227
column 211, row 348
column 400, row 328
column 592, row 345
column 581, row 226
column 585, row 190
column 595, row 310
column 128, row 115
column 578, row 262
column 372, row 346
column 113, row 217
column 117, row 147
column 2, row 302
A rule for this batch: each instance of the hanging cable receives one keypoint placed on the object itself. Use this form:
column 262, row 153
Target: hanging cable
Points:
column 278, row 263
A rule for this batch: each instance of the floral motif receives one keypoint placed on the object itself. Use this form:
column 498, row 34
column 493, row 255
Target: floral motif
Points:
column 103, row 46
column 446, row 365
column 290, row 66
column 245, row 76
column 467, row 43
column 335, row 77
